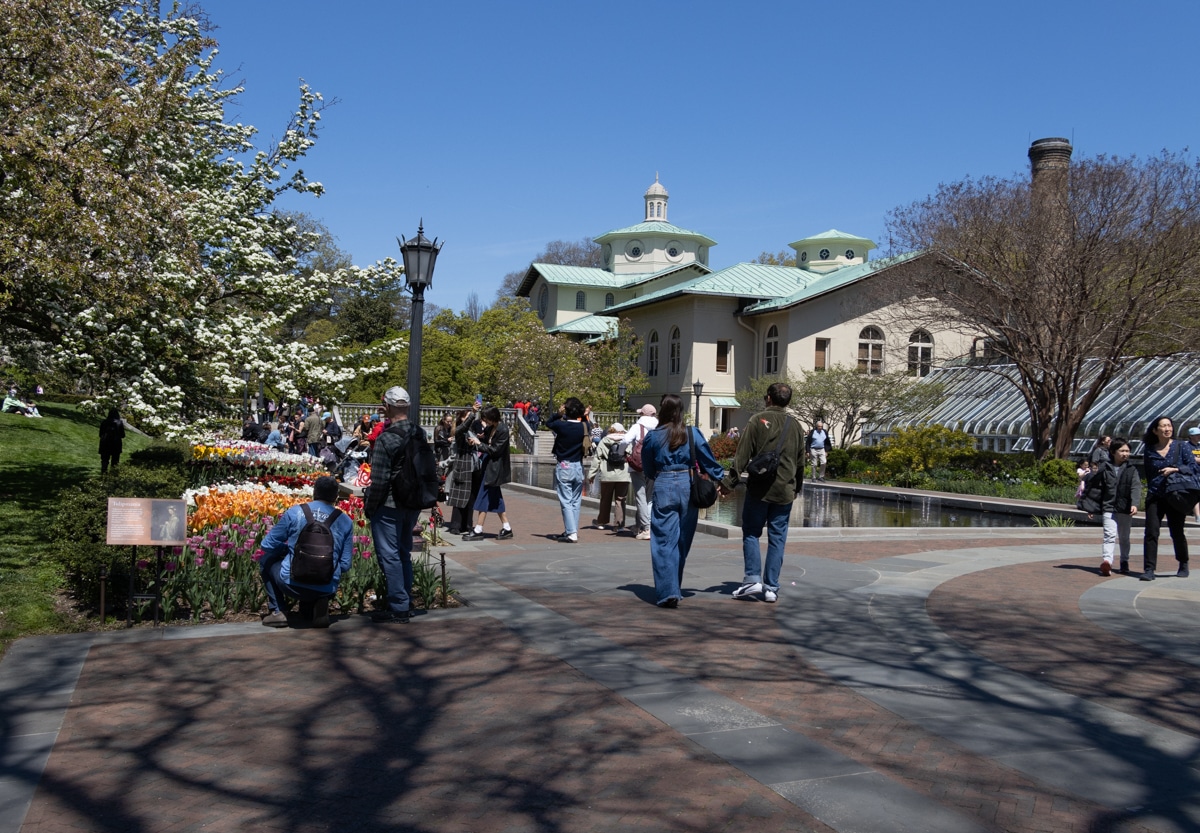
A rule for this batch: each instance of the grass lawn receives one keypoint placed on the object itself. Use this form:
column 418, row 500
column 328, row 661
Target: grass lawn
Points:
column 38, row 459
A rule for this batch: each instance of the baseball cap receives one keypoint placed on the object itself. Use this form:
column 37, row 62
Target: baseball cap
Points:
column 396, row 395
column 1192, row 432
column 326, row 415
column 648, row 410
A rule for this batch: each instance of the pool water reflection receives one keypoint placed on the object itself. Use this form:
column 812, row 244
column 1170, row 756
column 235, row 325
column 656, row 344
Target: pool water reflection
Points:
column 821, row 507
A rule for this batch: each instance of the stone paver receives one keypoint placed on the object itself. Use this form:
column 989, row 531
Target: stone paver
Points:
column 907, row 680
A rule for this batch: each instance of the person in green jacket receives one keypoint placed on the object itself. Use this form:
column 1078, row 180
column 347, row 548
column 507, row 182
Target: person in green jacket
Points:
column 769, row 498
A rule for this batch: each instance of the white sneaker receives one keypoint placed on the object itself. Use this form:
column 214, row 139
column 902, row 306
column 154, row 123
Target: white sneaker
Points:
column 770, row 595
column 747, row 591
column 644, row 535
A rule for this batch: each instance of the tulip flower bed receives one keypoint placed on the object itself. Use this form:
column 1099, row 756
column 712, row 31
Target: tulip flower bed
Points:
column 218, row 461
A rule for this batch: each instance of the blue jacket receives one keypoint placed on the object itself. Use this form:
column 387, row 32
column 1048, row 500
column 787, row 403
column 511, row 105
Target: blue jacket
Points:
column 1179, row 455
column 657, row 456
column 281, row 543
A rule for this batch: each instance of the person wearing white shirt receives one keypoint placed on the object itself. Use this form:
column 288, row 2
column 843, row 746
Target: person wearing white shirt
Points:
column 647, row 422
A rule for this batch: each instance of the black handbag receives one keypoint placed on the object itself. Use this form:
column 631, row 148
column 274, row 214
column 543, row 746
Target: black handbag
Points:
column 1183, row 488
column 704, row 491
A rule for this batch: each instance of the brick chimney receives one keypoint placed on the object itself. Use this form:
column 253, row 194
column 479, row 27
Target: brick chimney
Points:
column 1050, row 168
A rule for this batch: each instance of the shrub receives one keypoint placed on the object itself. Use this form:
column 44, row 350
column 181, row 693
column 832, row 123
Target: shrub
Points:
column 1058, row 472
column 838, row 460
column 723, row 448
column 81, row 528
column 924, row 447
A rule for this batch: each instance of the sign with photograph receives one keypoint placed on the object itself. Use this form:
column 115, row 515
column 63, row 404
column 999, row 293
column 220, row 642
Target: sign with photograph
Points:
column 146, row 521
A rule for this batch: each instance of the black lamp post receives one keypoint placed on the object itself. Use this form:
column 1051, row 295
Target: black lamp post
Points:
column 621, row 404
column 262, row 403
column 550, row 376
column 697, row 389
column 420, row 254
column 245, row 391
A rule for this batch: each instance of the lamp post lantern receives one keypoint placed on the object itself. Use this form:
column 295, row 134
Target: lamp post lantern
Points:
column 420, row 255
column 697, row 389
column 621, row 404
column 245, row 391
column 550, row 376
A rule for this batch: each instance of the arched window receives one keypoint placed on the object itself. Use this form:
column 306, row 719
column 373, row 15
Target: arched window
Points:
column 675, row 351
column 609, row 299
column 580, row 300
column 870, row 351
column 652, row 354
column 920, row 353
column 771, row 351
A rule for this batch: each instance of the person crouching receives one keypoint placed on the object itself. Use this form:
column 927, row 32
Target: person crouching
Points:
column 279, row 550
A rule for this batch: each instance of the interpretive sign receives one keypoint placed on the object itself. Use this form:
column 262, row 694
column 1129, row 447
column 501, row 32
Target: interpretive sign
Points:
column 146, row 521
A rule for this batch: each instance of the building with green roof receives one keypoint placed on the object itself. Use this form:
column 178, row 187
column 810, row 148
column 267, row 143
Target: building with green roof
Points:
column 722, row 327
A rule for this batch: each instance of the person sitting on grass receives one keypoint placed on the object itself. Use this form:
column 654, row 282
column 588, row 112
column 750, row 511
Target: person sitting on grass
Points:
column 279, row 548
column 13, row 405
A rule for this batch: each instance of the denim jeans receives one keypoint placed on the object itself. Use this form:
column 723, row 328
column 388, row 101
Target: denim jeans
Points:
column 672, row 528
column 278, row 591
column 392, row 534
column 641, row 488
column 568, row 482
column 1108, row 544
column 757, row 514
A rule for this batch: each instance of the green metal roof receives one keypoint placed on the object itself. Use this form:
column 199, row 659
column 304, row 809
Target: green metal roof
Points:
column 556, row 273
column 834, row 234
column 724, row 402
column 821, row 284
column 743, row 280
column 655, row 227
column 591, row 325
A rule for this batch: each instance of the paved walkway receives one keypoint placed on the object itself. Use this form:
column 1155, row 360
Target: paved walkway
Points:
column 907, row 680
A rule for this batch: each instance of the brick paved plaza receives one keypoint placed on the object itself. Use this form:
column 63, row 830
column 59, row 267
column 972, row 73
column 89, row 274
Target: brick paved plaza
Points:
column 935, row 680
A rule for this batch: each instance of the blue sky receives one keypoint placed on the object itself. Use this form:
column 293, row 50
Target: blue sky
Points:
column 508, row 125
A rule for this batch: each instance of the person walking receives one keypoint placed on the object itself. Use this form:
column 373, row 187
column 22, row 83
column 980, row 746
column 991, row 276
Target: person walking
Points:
column 392, row 523
column 614, row 479
column 817, row 447
column 1120, row 493
column 313, row 427
column 112, row 435
column 570, row 428
column 638, row 483
column 1164, row 456
column 769, row 495
column 666, row 459
column 494, row 448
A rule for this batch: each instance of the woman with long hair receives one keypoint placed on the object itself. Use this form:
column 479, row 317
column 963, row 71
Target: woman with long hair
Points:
column 666, row 459
column 1164, row 456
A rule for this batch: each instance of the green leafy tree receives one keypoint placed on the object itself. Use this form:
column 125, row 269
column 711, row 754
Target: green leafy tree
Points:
column 585, row 252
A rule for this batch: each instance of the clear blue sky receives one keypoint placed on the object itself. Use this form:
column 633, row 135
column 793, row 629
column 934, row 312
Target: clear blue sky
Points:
column 508, row 125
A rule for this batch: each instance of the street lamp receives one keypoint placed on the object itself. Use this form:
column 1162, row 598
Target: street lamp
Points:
column 621, row 403
column 419, row 254
column 550, row 376
column 697, row 389
column 245, row 391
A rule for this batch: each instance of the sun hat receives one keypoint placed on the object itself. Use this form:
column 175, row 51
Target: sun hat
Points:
column 616, row 427
column 396, row 395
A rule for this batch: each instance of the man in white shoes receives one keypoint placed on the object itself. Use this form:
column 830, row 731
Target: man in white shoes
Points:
column 771, row 453
column 647, row 421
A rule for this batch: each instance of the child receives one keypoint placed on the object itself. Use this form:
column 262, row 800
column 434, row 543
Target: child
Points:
column 1122, row 494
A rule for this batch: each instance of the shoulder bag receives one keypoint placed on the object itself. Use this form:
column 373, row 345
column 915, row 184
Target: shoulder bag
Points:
column 704, row 491
column 1183, row 488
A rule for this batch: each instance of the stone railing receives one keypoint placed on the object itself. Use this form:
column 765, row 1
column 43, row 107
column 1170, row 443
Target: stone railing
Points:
column 523, row 437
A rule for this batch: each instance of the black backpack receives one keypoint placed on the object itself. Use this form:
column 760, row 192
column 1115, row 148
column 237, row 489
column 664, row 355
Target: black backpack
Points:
column 312, row 560
column 761, row 470
column 415, row 482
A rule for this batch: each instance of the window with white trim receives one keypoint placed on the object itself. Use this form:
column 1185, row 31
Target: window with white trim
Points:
column 771, row 351
column 870, row 351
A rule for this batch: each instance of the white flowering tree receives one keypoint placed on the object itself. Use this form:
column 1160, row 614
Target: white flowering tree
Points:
column 162, row 288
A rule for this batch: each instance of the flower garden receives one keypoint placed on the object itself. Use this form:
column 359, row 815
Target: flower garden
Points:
column 243, row 487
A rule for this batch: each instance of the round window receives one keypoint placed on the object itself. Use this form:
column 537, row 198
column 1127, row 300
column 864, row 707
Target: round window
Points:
column 543, row 302
column 673, row 252
column 636, row 251
column 633, row 249
column 824, row 254
column 803, row 256
column 849, row 254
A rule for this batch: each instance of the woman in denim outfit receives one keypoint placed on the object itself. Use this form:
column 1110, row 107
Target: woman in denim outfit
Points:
column 666, row 459
column 570, row 426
